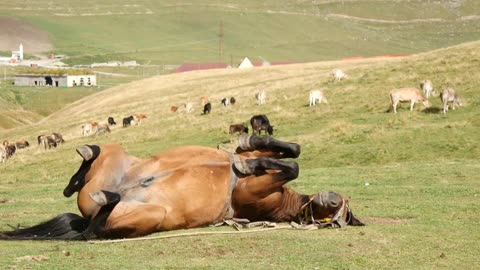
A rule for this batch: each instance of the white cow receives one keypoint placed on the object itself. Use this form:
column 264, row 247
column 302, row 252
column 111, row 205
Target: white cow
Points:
column 447, row 96
column 317, row 95
column 3, row 154
column 89, row 128
column 409, row 94
column 188, row 107
column 338, row 75
column 427, row 88
column 261, row 96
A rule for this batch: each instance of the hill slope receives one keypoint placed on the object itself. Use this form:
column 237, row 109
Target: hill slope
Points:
column 421, row 167
column 172, row 32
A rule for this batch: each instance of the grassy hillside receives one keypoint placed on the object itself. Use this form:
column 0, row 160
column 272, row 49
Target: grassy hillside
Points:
column 172, row 32
column 422, row 166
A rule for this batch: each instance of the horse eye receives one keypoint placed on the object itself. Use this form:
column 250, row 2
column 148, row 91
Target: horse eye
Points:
column 333, row 203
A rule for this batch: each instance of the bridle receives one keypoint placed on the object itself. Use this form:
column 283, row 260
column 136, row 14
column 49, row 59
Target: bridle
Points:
column 337, row 221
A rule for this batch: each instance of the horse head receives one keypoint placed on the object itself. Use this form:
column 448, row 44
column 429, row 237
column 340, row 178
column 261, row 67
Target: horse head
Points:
column 89, row 153
column 330, row 207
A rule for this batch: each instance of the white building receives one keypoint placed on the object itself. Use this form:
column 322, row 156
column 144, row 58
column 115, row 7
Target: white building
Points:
column 55, row 80
column 18, row 55
column 246, row 63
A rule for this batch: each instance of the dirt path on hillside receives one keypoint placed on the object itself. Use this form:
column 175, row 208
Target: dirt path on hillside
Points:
column 13, row 32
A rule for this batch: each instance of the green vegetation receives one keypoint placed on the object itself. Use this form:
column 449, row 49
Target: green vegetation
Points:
column 173, row 32
column 422, row 166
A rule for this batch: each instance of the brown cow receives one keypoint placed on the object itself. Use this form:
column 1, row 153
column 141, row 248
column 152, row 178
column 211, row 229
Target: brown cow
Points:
column 204, row 100
column 238, row 129
column 139, row 117
column 123, row 196
column 173, row 109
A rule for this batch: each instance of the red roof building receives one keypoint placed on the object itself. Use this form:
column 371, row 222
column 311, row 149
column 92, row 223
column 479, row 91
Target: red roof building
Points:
column 200, row 66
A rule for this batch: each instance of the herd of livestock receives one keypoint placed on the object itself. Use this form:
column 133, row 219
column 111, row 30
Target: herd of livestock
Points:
column 412, row 95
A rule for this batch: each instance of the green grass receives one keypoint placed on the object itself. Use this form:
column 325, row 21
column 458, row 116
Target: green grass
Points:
column 172, row 32
column 421, row 205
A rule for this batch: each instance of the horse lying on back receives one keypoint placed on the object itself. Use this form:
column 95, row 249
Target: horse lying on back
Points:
column 121, row 196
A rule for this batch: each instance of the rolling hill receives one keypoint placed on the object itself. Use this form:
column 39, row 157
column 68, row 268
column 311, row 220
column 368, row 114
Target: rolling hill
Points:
column 421, row 167
column 173, row 32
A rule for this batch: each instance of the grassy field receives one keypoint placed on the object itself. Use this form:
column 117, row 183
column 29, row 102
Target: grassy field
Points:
column 172, row 32
column 422, row 167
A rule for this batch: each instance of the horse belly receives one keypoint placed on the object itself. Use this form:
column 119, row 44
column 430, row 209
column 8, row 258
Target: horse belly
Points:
column 192, row 197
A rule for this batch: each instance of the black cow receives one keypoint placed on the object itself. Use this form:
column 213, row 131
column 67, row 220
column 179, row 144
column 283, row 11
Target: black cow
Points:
column 232, row 100
column 111, row 121
column 225, row 102
column 260, row 122
column 127, row 121
column 207, row 108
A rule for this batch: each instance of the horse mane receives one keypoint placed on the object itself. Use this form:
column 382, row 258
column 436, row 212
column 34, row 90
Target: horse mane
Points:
column 290, row 206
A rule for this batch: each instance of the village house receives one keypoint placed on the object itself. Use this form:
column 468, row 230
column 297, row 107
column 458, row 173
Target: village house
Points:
column 56, row 80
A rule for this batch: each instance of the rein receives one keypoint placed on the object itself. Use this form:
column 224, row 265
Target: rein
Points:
column 306, row 216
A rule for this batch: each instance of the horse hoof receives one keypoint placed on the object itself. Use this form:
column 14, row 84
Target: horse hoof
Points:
column 241, row 165
column 85, row 152
column 99, row 198
column 244, row 142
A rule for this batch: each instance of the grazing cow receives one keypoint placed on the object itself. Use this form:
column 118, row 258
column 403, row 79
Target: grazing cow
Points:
column 204, row 100
column 188, row 107
column 111, row 121
column 317, row 95
column 139, row 117
column 87, row 129
column 225, row 102
column 408, row 94
column 127, row 121
column 102, row 129
column 260, row 122
column 123, row 196
column 47, row 141
column 338, row 75
column 173, row 109
column 448, row 95
column 427, row 88
column 232, row 100
column 261, row 96
column 58, row 138
column 3, row 154
column 22, row 144
column 18, row 144
column 238, row 129
column 207, row 108
column 10, row 149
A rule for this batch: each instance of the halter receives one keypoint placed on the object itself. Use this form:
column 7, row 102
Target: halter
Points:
column 306, row 216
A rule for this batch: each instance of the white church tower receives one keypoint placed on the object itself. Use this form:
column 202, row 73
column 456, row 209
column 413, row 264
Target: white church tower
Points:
column 20, row 51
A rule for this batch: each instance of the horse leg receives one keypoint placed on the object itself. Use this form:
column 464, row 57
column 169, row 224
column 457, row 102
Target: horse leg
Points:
column 108, row 201
column 266, row 146
column 263, row 181
column 133, row 219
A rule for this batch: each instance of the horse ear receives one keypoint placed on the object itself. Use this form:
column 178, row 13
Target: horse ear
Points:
column 354, row 221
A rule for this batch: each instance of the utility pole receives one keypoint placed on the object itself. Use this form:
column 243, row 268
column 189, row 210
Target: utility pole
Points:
column 220, row 42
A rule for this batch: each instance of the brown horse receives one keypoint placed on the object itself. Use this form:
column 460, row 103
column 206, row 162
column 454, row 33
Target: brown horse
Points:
column 186, row 187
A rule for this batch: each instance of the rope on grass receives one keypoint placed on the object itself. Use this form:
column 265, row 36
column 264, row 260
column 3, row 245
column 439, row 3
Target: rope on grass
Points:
column 188, row 234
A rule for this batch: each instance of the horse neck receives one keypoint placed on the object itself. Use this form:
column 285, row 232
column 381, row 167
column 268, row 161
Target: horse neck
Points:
column 291, row 205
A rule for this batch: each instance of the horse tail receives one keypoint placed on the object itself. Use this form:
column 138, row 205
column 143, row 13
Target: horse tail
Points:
column 66, row 226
